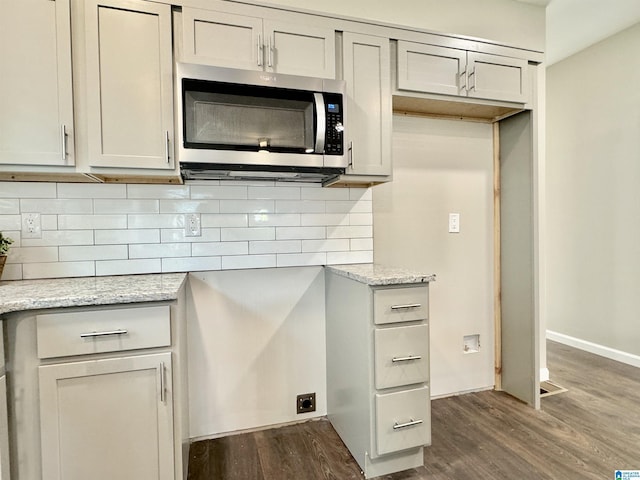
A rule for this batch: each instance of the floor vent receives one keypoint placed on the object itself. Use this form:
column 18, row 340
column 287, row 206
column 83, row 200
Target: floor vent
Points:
column 549, row 388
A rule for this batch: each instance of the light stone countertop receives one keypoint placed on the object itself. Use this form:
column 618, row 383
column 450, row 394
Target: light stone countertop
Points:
column 380, row 275
column 20, row 295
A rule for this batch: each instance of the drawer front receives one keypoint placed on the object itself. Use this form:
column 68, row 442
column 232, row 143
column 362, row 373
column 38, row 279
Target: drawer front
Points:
column 403, row 420
column 401, row 356
column 400, row 304
column 100, row 331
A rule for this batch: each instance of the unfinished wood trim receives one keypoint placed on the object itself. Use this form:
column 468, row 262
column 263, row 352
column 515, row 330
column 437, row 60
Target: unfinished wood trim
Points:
column 497, row 287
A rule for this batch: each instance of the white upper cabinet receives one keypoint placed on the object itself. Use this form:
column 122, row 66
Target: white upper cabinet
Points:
column 36, row 100
column 129, row 84
column 366, row 67
column 450, row 71
column 253, row 43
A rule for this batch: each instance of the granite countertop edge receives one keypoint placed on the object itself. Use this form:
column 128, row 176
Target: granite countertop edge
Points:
column 380, row 275
column 23, row 295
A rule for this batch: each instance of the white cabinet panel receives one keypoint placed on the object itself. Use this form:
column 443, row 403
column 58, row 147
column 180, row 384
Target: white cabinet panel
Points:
column 403, row 420
column 428, row 68
column 391, row 305
column 496, row 77
column 129, row 84
column 368, row 117
column 36, row 101
column 4, row 429
column 401, row 356
column 252, row 43
column 111, row 417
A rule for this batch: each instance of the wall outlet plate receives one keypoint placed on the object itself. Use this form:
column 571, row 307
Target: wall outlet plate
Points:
column 31, row 225
column 306, row 402
column 192, row 225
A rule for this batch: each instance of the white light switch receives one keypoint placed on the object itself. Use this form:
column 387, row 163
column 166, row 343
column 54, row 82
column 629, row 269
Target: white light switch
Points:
column 454, row 223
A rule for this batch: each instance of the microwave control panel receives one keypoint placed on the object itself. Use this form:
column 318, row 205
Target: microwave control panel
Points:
column 334, row 137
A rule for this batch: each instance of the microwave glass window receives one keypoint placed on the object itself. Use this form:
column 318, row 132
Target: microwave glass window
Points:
column 253, row 123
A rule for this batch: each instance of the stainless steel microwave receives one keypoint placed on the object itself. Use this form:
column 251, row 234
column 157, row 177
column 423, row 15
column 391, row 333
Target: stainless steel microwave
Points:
column 248, row 124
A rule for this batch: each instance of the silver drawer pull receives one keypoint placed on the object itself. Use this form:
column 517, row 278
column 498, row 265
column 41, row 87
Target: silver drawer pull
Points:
column 398, row 426
column 404, row 307
column 103, row 334
column 406, row 359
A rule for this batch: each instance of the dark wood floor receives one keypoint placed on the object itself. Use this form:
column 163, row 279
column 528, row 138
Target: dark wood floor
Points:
column 585, row 433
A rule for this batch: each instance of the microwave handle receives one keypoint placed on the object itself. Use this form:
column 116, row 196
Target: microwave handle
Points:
column 321, row 122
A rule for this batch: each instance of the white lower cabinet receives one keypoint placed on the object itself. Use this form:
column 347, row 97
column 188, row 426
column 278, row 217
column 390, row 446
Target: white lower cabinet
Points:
column 4, row 429
column 112, row 417
column 378, row 396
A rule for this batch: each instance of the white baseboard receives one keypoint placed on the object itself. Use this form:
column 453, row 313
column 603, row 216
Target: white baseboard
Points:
column 613, row 354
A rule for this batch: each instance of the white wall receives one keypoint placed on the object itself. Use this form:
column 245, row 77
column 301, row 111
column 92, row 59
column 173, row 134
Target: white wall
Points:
column 506, row 21
column 593, row 194
column 255, row 340
column 442, row 167
column 115, row 229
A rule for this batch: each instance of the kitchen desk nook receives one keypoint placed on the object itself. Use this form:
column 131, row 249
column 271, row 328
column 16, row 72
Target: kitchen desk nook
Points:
column 87, row 355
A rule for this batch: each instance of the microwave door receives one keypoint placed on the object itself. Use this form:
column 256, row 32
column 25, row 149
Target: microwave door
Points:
column 320, row 123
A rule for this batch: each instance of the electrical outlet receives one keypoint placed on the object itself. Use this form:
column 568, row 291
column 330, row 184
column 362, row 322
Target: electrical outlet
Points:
column 454, row 223
column 192, row 225
column 306, row 402
column 31, row 225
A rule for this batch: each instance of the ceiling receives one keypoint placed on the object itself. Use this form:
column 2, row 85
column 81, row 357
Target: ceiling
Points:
column 573, row 25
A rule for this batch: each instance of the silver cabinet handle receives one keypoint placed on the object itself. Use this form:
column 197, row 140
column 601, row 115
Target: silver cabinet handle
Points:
column 398, row 426
column 270, row 48
column 472, row 84
column 106, row 333
column 321, row 123
column 350, row 154
column 63, row 137
column 260, row 50
column 462, row 81
column 166, row 146
column 404, row 307
column 162, row 386
column 408, row 358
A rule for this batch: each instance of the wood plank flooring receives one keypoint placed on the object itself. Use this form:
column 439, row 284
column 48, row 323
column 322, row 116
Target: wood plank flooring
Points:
column 585, row 433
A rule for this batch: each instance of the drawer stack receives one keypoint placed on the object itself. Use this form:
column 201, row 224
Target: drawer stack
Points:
column 378, row 396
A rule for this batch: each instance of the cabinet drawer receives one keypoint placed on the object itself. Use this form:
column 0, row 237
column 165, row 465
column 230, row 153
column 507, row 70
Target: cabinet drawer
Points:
column 401, row 356
column 99, row 331
column 403, row 420
column 400, row 304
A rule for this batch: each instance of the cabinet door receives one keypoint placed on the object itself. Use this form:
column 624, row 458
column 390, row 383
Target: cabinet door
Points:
column 299, row 49
column 428, row 68
column 497, row 78
column 36, row 102
column 221, row 39
column 110, row 417
column 4, row 430
column 368, row 114
column 129, row 84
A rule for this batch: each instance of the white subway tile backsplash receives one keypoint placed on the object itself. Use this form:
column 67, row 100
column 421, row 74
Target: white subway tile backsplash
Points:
column 239, row 234
column 27, row 190
column 9, row 206
column 112, row 229
column 338, row 258
column 157, row 191
column 191, row 264
column 93, row 252
column 276, row 246
column 248, row 261
column 128, row 267
column 219, row 192
column 91, row 190
column 60, row 237
column 12, row 272
column 247, row 206
column 219, row 249
column 93, row 222
column 159, row 250
column 189, row 206
column 178, row 235
column 327, row 245
column 296, row 259
column 274, row 220
column 102, row 206
column 78, row 206
column 117, row 237
column 58, row 269
column 300, row 233
column 162, row 220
